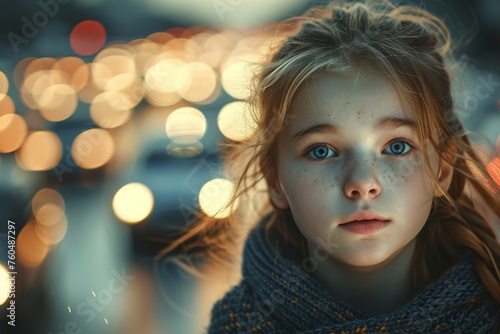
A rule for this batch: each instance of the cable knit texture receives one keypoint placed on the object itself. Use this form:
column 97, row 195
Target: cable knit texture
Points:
column 277, row 296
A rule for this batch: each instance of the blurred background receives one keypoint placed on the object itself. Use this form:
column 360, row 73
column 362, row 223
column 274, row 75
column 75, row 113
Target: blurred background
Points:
column 110, row 117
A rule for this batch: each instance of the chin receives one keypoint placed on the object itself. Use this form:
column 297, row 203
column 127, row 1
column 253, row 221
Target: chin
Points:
column 364, row 259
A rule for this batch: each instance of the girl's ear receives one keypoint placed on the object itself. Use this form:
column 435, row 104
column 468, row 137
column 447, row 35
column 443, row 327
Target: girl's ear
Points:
column 276, row 192
column 445, row 174
column 278, row 197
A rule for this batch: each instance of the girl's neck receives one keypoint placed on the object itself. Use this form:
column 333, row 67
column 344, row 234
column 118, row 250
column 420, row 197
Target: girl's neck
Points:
column 376, row 289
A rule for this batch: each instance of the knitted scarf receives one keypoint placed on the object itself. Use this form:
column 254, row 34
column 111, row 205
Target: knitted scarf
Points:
column 277, row 296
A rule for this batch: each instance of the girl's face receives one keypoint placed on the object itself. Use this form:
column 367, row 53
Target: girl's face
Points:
column 351, row 148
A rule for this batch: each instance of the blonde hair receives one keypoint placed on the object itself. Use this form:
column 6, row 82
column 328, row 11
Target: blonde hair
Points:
column 411, row 48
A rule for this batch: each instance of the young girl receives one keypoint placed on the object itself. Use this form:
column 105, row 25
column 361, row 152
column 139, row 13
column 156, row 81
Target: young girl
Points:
column 370, row 226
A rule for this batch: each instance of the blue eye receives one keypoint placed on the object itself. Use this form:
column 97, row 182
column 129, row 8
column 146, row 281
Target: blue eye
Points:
column 400, row 147
column 320, row 152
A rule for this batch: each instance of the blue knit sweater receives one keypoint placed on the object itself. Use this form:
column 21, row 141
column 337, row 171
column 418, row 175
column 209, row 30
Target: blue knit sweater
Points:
column 277, row 296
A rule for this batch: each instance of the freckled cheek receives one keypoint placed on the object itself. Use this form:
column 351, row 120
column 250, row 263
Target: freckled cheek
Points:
column 293, row 178
column 300, row 181
column 399, row 172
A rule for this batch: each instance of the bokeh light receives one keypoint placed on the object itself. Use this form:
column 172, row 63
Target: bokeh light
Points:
column 162, row 76
column 184, row 150
column 41, row 151
column 111, row 109
column 44, row 197
column 113, row 69
column 216, row 48
column 160, row 79
column 4, row 85
column 159, row 99
column 19, row 70
column 49, row 214
column 13, row 131
column 143, row 51
column 176, row 31
column 236, row 78
column 88, row 90
column 134, row 91
column 214, row 198
column 199, row 85
column 235, row 121
column 184, row 49
column 44, row 64
column 51, row 223
column 31, row 251
column 52, row 233
column 58, row 102
column 87, row 37
column 7, row 106
column 4, row 285
column 93, row 148
column 37, row 83
column 133, row 203
column 160, row 37
column 76, row 71
column 186, row 125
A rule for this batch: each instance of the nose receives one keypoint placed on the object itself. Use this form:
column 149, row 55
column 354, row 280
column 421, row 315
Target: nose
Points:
column 361, row 182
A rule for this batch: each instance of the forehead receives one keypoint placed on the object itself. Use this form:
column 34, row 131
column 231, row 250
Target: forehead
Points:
column 346, row 99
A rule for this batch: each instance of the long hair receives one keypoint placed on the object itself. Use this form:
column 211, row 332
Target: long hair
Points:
column 407, row 46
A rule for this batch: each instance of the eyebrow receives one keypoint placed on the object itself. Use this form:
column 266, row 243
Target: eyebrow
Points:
column 382, row 124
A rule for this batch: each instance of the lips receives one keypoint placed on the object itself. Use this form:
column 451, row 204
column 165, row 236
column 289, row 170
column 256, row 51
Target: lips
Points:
column 364, row 216
column 364, row 223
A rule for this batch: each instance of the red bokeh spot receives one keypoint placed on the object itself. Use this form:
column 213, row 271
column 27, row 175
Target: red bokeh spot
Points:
column 87, row 37
column 176, row 31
